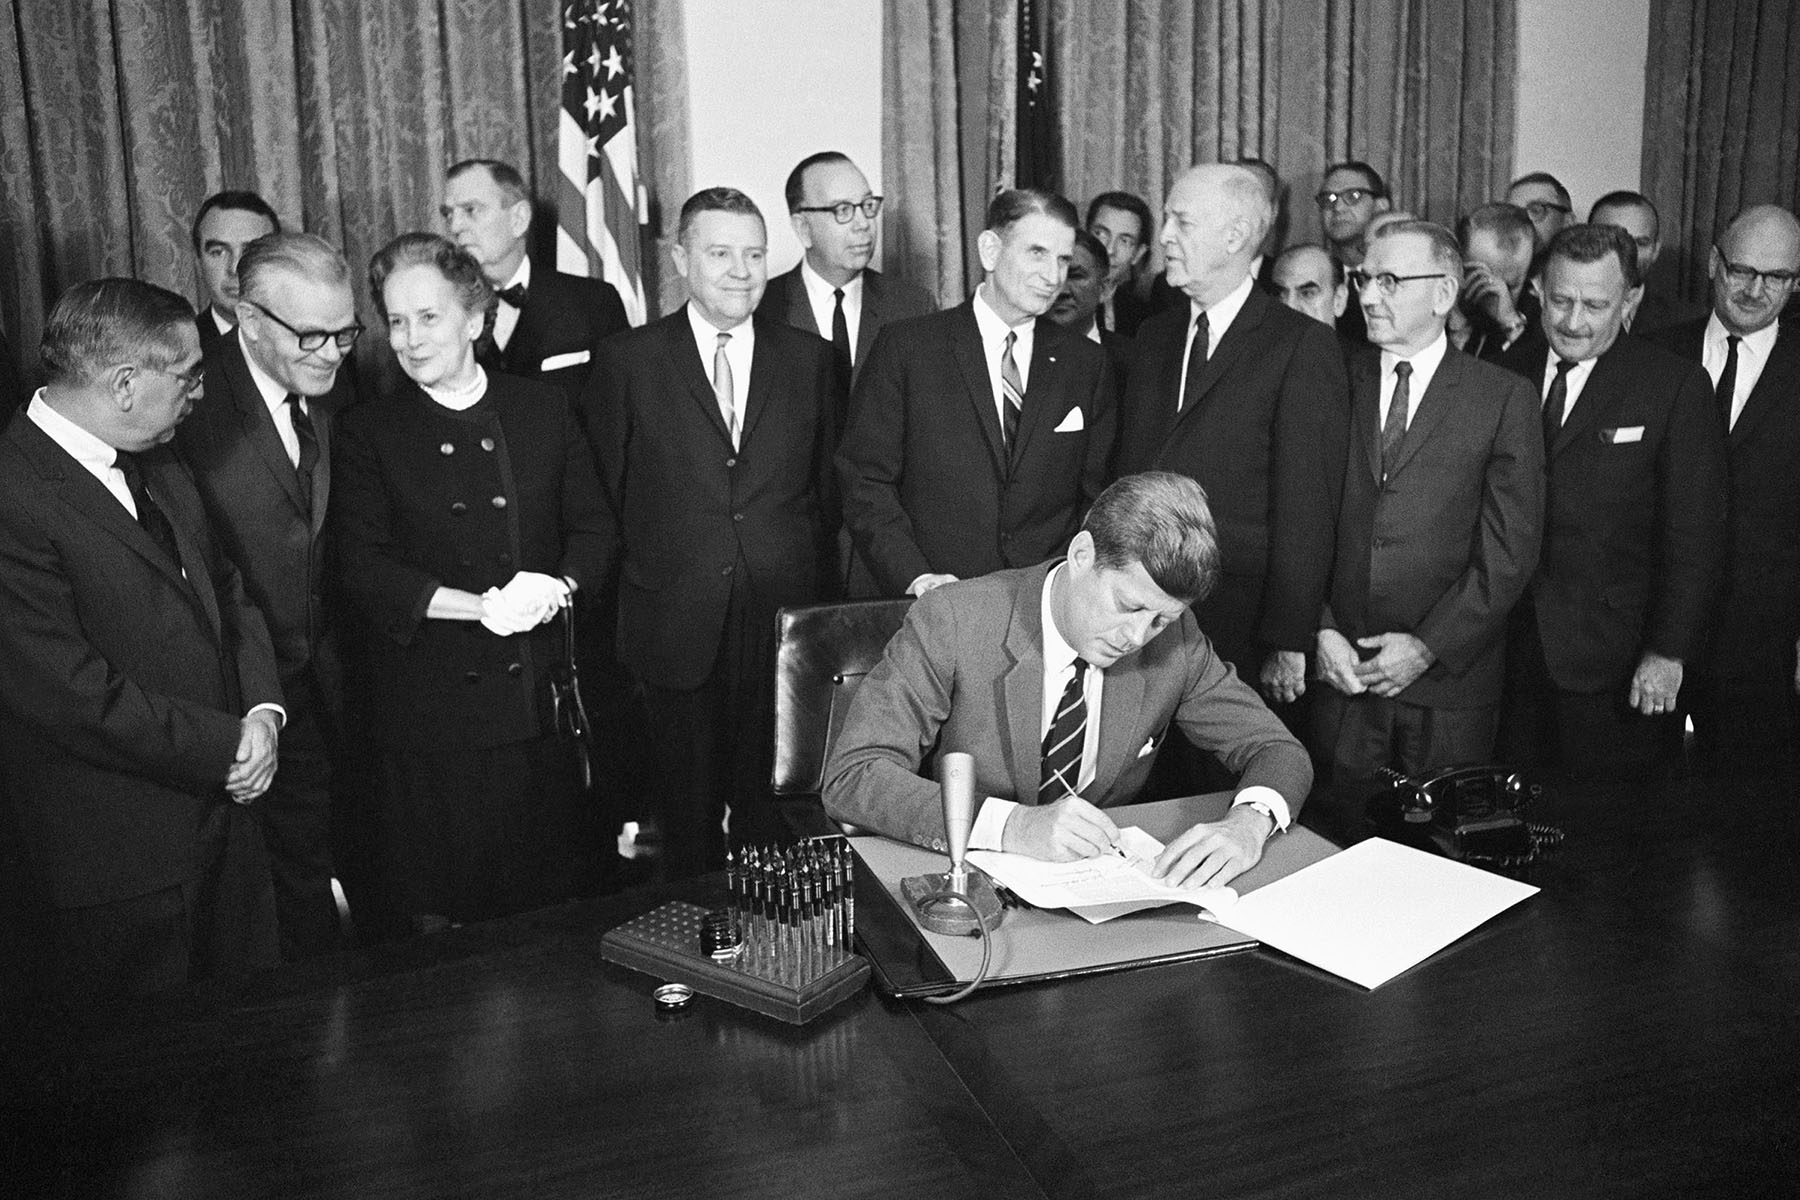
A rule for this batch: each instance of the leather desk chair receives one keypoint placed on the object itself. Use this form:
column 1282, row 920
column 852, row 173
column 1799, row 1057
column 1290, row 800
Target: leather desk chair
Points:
column 822, row 653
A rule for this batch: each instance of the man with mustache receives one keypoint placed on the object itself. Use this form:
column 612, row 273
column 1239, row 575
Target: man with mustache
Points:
column 979, row 435
column 1635, row 531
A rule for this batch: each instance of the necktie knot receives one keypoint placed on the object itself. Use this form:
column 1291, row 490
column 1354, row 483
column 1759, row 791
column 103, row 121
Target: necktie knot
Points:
column 514, row 295
column 1403, row 369
column 1565, row 365
column 838, row 294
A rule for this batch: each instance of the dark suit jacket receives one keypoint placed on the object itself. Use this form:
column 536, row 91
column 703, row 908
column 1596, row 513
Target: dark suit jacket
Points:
column 564, row 320
column 1761, row 611
column 885, row 300
column 692, row 517
column 928, row 484
column 1264, row 433
column 252, row 497
column 1659, row 311
column 208, row 329
column 1444, row 547
column 1635, row 529
column 966, row 672
column 122, row 684
column 427, row 497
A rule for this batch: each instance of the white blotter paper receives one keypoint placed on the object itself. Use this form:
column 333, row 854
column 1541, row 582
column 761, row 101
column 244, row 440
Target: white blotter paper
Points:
column 1372, row 911
column 1097, row 889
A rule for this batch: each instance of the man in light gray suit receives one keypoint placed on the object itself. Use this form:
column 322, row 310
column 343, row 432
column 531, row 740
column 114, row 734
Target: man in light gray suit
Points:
column 832, row 292
column 1061, row 681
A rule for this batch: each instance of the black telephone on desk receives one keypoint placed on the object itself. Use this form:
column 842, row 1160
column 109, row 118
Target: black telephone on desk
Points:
column 1473, row 814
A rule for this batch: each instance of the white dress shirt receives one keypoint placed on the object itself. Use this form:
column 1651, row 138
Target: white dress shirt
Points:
column 1577, row 380
column 275, row 396
column 739, row 352
column 819, row 294
column 1424, row 366
column 506, row 317
column 1219, row 317
column 993, row 345
column 1753, row 355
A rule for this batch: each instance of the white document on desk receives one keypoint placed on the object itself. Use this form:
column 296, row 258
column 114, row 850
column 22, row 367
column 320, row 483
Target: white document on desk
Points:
column 1096, row 889
column 1372, row 911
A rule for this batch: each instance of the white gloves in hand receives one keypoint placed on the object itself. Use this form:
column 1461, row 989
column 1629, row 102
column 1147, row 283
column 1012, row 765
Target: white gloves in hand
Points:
column 527, row 601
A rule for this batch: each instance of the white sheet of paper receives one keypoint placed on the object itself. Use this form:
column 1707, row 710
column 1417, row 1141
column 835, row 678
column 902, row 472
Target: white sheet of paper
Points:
column 1372, row 911
column 1096, row 889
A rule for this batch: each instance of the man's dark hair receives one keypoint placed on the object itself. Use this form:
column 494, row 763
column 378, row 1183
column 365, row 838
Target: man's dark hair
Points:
column 796, row 180
column 511, row 184
column 1544, row 177
column 1626, row 199
column 1337, row 264
column 240, row 201
column 716, row 199
column 1160, row 519
column 1015, row 204
column 1509, row 224
column 456, row 265
column 1091, row 244
column 1372, row 177
column 1124, row 202
column 1592, row 243
column 1446, row 251
column 104, row 322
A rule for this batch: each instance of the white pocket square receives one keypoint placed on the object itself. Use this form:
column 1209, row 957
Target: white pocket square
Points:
column 1149, row 748
column 557, row 362
column 1073, row 423
column 1626, row 433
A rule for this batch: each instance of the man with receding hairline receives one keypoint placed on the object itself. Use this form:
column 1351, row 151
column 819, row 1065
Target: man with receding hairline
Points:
column 980, row 434
column 548, row 324
column 1744, row 696
column 1248, row 398
column 1308, row 280
column 1637, row 216
column 227, row 222
column 833, row 292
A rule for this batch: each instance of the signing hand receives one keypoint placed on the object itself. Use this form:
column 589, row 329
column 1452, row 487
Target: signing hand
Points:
column 1337, row 663
column 1212, row 854
column 1061, row 832
column 1655, row 684
column 253, row 767
column 1402, row 658
column 925, row 583
column 1284, row 676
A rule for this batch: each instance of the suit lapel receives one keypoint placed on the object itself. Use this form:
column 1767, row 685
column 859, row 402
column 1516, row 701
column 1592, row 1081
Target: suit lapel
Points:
column 1231, row 347
column 258, row 424
column 684, row 355
column 324, row 413
column 1777, row 381
column 1121, row 707
column 871, row 316
column 521, row 356
column 1022, row 688
column 1598, row 397
column 1438, row 400
column 799, row 304
column 763, row 364
column 965, row 343
column 197, row 583
column 1365, row 408
column 1044, row 387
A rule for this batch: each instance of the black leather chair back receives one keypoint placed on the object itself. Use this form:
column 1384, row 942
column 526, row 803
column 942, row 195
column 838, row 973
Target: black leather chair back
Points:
column 822, row 655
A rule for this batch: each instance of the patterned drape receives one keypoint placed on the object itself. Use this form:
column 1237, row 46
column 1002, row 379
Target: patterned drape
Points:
column 1721, row 119
column 118, row 117
column 1423, row 89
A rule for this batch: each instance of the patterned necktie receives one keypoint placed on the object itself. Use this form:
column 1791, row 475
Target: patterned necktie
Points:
column 1556, row 400
column 1726, row 390
column 1198, row 353
column 840, row 340
column 309, row 448
column 1393, row 429
column 1015, row 392
column 149, row 516
column 721, row 381
column 1063, row 742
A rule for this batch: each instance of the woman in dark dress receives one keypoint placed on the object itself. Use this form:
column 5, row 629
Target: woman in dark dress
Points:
column 468, row 513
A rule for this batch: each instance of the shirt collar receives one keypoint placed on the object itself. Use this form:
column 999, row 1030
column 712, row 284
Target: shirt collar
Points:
column 706, row 334
column 1425, row 363
column 1058, row 654
column 220, row 323
column 1759, row 343
column 86, row 448
column 1093, row 333
column 1222, row 313
column 520, row 277
column 273, row 394
column 993, row 329
column 820, row 290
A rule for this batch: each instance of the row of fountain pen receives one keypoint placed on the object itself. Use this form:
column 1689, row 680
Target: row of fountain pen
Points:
column 802, row 894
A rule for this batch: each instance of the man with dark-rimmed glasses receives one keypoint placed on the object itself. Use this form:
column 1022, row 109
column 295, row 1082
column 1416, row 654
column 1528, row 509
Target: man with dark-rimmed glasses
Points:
column 259, row 443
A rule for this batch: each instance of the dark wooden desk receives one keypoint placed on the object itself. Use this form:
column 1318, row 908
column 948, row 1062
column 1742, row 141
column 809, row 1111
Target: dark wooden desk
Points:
column 1628, row 1032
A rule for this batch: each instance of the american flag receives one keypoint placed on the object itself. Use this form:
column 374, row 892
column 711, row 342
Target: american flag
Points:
column 1038, row 161
column 601, row 203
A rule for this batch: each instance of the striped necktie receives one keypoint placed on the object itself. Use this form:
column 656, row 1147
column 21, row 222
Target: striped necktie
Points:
column 1062, row 744
column 1014, row 389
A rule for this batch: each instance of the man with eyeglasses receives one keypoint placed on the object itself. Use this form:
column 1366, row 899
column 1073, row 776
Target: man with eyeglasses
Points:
column 1743, row 695
column 1248, row 398
column 140, row 706
column 1636, row 215
column 1352, row 195
column 259, row 444
column 547, row 324
column 1627, row 586
column 1442, row 514
column 1546, row 201
column 833, row 292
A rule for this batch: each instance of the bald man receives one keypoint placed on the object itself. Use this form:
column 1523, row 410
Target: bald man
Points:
column 1310, row 281
column 1250, row 399
column 1743, row 694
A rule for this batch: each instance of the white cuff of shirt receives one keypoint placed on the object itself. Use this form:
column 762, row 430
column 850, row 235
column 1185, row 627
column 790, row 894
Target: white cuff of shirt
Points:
column 1269, row 797
column 990, row 823
column 274, row 708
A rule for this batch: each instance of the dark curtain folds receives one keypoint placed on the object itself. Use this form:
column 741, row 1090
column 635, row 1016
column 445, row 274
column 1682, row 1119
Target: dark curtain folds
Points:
column 1721, row 120
column 118, row 117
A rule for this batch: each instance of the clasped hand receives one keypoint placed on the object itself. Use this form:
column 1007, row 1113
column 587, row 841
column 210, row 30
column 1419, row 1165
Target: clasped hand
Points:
column 253, row 766
column 527, row 601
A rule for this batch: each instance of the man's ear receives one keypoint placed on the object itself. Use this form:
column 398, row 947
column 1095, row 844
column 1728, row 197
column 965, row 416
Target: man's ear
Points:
column 987, row 246
column 1081, row 551
column 1340, row 299
column 518, row 218
column 802, row 229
